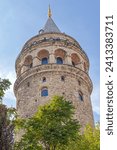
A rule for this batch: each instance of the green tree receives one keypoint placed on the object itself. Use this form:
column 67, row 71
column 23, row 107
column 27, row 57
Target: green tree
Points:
column 6, row 126
column 89, row 140
column 51, row 128
column 4, row 85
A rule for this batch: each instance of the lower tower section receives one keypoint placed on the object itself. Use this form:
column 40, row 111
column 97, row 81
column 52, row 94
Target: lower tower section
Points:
column 41, row 83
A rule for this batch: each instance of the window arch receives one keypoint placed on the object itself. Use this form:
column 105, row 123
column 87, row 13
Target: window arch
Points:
column 28, row 61
column 44, row 79
column 62, row 78
column 59, row 60
column 44, row 61
column 73, row 63
column 80, row 96
column 43, row 55
column 60, row 55
column 44, row 92
column 31, row 65
column 75, row 59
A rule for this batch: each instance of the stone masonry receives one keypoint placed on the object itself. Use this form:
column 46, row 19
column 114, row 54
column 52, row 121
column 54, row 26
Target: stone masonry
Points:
column 69, row 78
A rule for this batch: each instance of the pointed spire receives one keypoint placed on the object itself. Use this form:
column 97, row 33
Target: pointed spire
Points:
column 49, row 12
column 50, row 26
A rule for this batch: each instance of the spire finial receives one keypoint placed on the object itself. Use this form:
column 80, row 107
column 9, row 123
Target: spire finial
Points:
column 49, row 12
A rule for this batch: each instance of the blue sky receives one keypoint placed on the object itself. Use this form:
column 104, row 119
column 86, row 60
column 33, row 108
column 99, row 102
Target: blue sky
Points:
column 22, row 19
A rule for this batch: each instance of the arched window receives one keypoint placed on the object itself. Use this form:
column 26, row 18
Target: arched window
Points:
column 31, row 65
column 73, row 63
column 59, row 60
column 44, row 91
column 28, row 62
column 44, row 61
column 81, row 96
column 75, row 59
column 62, row 78
column 44, row 79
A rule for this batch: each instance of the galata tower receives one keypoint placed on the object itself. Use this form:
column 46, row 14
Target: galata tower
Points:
column 53, row 63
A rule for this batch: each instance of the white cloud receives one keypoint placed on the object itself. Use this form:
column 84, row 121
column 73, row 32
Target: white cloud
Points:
column 9, row 98
column 95, row 98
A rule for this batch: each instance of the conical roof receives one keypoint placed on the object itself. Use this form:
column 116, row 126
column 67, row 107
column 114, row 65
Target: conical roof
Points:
column 50, row 26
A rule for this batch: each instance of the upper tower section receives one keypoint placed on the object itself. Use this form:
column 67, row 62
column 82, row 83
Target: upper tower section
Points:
column 53, row 63
column 51, row 46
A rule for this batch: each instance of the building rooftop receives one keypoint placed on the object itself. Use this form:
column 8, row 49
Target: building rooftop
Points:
column 50, row 26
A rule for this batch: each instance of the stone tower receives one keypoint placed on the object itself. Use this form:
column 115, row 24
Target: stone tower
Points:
column 53, row 63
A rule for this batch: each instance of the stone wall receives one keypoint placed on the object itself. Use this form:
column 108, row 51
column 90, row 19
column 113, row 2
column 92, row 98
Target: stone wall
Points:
column 69, row 79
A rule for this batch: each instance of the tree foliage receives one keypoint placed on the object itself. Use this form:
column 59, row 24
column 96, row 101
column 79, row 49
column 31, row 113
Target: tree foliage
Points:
column 6, row 127
column 89, row 140
column 4, row 85
column 51, row 128
column 6, row 118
